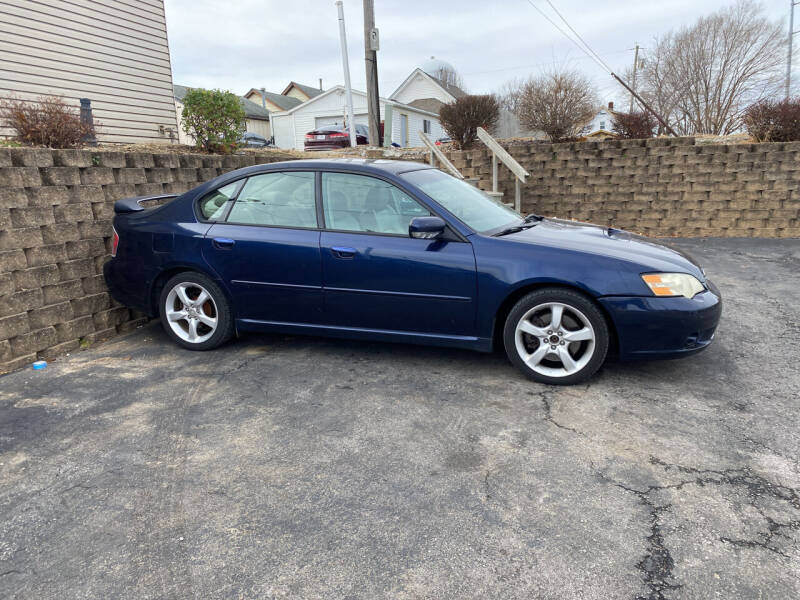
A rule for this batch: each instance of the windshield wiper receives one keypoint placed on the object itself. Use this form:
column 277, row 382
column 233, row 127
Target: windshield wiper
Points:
column 517, row 228
column 532, row 218
column 508, row 230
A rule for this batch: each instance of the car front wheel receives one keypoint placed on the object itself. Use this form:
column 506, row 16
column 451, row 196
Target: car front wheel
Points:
column 556, row 336
column 194, row 312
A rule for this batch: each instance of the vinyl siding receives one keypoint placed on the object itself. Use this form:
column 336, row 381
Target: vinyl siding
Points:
column 295, row 93
column 421, row 87
column 113, row 52
column 414, row 127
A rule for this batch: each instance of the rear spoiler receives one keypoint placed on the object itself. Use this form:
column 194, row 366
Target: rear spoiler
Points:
column 129, row 205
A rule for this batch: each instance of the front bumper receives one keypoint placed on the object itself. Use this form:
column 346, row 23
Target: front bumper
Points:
column 657, row 328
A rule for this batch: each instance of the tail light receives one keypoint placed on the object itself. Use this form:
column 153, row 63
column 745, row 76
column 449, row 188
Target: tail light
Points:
column 114, row 242
column 339, row 134
column 309, row 136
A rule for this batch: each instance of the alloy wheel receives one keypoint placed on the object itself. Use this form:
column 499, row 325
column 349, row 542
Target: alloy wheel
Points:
column 555, row 339
column 191, row 312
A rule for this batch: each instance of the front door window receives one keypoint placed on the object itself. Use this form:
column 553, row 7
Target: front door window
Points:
column 362, row 203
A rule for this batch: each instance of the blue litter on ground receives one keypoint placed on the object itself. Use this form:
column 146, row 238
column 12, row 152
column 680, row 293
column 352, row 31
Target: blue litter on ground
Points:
column 39, row 365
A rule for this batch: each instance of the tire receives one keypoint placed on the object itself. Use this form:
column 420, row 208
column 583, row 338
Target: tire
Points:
column 195, row 325
column 581, row 332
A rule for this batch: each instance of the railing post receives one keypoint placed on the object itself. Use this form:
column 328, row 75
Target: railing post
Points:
column 517, row 195
column 432, row 158
column 494, row 172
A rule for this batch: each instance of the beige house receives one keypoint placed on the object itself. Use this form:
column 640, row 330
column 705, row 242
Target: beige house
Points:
column 302, row 92
column 270, row 101
column 113, row 52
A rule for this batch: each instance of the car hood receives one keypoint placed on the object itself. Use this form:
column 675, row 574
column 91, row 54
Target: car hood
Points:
column 650, row 254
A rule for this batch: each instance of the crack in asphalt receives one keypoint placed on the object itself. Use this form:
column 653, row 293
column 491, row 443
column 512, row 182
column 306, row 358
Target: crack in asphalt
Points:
column 657, row 564
column 545, row 397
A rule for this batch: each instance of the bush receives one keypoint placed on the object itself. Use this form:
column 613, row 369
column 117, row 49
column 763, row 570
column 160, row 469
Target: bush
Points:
column 46, row 122
column 634, row 126
column 461, row 119
column 559, row 103
column 214, row 118
column 773, row 120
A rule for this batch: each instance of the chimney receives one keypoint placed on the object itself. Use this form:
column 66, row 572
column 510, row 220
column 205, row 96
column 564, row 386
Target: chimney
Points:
column 320, row 83
column 264, row 98
column 610, row 106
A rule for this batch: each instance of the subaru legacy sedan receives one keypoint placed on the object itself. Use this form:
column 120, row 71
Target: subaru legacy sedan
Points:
column 401, row 252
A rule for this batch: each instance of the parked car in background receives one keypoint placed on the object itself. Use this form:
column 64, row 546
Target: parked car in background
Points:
column 334, row 137
column 443, row 140
column 253, row 140
column 399, row 251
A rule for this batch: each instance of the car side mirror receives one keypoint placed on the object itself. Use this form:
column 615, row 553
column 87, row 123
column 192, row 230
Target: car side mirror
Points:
column 426, row 228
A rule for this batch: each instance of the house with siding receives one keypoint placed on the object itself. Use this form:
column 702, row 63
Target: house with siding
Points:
column 113, row 52
column 271, row 101
column 424, row 90
column 302, row 92
column 328, row 108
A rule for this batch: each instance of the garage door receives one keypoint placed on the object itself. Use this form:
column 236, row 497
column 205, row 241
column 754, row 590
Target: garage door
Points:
column 328, row 122
column 362, row 119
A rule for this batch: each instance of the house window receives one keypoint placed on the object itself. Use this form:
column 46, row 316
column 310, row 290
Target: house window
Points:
column 426, row 126
column 602, row 124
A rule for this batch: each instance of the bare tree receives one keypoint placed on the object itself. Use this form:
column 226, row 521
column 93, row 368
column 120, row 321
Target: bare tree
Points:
column 702, row 77
column 559, row 103
column 448, row 76
column 461, row 118
column 509, row 94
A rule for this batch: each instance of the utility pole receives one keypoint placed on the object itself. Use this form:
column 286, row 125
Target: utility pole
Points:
column 371, row 47
column 635, row 66
column 789, row 56
column 351, row 126
column 646, row 106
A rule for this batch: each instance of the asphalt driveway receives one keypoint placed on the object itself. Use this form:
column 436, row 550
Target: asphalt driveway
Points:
column 284, row 467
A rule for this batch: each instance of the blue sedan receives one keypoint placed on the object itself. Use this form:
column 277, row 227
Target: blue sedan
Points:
column 399, row 251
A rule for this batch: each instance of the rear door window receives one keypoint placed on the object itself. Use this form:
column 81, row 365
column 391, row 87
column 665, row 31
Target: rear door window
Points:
column 212, row 206
column 277, row 199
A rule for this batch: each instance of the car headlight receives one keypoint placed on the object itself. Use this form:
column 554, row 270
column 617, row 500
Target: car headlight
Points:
column 673, row 284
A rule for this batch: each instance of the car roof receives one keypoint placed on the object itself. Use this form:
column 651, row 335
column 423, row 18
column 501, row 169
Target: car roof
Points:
column 368, row 165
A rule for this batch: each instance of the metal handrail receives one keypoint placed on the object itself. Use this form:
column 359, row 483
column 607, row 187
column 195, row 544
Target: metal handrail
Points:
column 498, row 151
column 503, row 155
column 436, row 152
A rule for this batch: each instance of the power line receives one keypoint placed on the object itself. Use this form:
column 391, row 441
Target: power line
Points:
column 544, row 64
column 581, row 48
column 578, row 35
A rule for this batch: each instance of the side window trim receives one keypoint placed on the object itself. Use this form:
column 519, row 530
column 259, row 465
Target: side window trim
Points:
column 229, row 204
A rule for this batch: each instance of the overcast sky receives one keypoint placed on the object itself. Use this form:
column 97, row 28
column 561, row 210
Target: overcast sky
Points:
column 241, row 44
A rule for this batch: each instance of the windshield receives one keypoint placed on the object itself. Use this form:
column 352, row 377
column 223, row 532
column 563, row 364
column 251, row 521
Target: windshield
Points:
column 471, row 206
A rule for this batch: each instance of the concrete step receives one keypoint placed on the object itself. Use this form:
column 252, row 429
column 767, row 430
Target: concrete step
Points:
column 495, row 195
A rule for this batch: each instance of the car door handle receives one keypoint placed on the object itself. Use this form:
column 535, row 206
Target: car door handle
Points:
column 223, row 243
column 343, row 252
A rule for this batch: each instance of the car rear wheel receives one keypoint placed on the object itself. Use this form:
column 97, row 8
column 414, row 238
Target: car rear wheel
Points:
column 556, row 336
column 194, row 312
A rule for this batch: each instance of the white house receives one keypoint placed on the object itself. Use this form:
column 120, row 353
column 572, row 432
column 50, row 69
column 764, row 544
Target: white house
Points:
column 328, row 108
column 601, row 125
column 421, row 85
